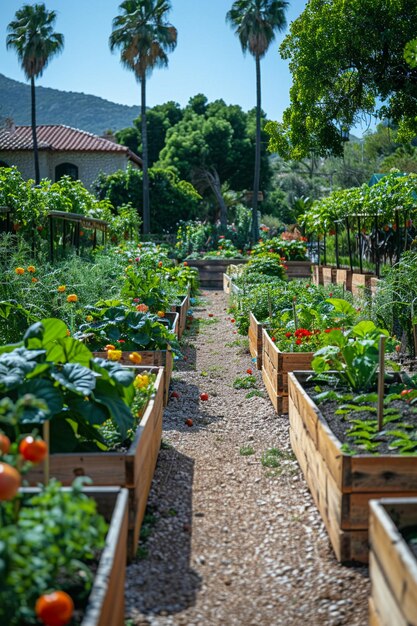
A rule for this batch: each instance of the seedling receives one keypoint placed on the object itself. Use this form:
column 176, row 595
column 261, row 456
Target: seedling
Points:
column 246, row 451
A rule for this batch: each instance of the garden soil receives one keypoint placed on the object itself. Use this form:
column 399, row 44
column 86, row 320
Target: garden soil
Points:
column 232, row 535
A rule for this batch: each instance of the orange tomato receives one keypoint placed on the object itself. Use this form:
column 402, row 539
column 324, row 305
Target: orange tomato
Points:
column 4, row 443
column 10, row 481
column 34, row 450
column 55, row 608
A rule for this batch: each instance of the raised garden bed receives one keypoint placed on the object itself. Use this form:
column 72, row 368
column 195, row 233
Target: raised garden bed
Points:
column 342, row 484
column 181, row 310
column 393, row 567
column 255, row 339
column 211, row 270
column 106, row 602
column 344, row 277
column 276, row 366
column 298, row 269
column 132, row 469
column 361, row 283
column 329, row 275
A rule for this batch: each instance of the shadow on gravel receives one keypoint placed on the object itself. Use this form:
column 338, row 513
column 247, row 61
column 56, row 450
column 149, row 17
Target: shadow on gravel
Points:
column 163, row 582
column 189, row 406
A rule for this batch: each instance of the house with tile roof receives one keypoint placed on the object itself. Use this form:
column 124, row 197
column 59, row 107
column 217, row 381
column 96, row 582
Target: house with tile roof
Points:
column 63, row 150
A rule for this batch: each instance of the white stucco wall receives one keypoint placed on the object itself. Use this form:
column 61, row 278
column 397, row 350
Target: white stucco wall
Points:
column 89, row 163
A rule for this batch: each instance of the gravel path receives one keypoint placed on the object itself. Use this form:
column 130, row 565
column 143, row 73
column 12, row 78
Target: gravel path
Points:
column 232, row 539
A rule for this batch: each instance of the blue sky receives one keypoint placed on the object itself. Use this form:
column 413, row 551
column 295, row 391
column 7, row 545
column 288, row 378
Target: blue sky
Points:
column 208, row 58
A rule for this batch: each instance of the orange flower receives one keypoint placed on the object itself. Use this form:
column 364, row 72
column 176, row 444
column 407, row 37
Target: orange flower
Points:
column 161, row 314
column 114, row 355
column 109, row 346
column 142, row 307
column 185, row 263
column 135, row 358
column 19, row 271
column 31, row 269
column 160, row 264
column 61, row 288
column 34, row 280
column 89, row 318
column 68, row 332
column 72, row 297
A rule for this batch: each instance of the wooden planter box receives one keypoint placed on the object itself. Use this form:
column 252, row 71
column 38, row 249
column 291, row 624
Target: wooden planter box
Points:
column 298, row 269
column 106, row 602
column 392, row 565
column 361, row 283
column 182, row 310
column 374, row 284
column 276, row 366
column 133, row 469
column 329, row 275
column 174, row 321
column 344, row 277
column 211, row 270
column 255, row 339
column 318, row 274
column 342, row 485
column 151, row 358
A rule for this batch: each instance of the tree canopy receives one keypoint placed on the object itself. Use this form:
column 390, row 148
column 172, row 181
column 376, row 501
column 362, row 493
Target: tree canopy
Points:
column 347, row 61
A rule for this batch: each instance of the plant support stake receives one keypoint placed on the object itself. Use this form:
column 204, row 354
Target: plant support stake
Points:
column 294, row 300
column 381, row 381
column 46, row 461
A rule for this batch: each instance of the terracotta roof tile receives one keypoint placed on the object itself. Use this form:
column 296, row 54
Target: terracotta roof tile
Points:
column 59, row 137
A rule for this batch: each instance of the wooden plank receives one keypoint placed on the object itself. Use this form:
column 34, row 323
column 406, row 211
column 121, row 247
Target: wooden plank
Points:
column 344, row 277
column 226, row 283
column 391, row 559
column 318, row 274
column 373, row 615
column 385, row 604
column 374, row 474
column 298, row 269
column 360, row 283
column 329, row 275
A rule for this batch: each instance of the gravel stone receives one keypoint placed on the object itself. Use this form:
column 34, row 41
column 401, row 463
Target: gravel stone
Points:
column 233, row 543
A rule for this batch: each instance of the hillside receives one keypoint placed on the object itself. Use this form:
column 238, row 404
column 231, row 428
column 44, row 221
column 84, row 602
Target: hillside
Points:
column 63, row 107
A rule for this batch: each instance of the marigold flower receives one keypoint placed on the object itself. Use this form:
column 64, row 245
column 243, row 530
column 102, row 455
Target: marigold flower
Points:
column 89, row 318
column 114, row 355
column 185, row 263
column 143, row 308
column 72, row 297
column 31, row 269
column 141, row 381
column 109, row 346
column 34, row 280
column 129, row 267
column 161, row 314
column 160, row 264
column 61, row 288
column 20, row 270
column 135, row 358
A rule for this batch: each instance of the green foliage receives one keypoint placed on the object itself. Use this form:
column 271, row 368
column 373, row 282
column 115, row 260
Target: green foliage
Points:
column 80, row 393
column 245, row 382
column 246, row 451
column 353, row 354
column 319, row 49
column 266, row 263
column 172, row 199
column 53, row 537
column 288, row 250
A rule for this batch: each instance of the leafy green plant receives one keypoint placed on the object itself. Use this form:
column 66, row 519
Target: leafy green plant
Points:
column 353, row 354
column 246, row 451
column 80, row 392
column 244, row 382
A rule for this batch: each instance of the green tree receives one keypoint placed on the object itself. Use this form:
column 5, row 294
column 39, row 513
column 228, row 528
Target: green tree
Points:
column 158, row 120
column 347, row 61
column 256, row 23
column 172, row 199
column 210, row 147
column 144, row 38
column 31, row 35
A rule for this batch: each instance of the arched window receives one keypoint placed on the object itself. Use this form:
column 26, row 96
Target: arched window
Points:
column 4, row 164
column 66, row 169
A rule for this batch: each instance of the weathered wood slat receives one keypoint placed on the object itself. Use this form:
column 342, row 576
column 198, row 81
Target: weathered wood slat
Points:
column 255, row 339
column 344, row 277
column 360, row 283
column 329, row 275
column 393, row 567
column 374, row 619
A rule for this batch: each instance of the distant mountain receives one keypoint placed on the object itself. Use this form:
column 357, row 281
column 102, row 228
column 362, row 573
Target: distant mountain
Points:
column 53, row 106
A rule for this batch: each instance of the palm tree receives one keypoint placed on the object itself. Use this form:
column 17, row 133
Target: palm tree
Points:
column 144, row 37
column 256, row 22
column 31, row 35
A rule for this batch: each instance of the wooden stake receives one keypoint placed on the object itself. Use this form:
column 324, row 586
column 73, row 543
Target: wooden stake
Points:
column 46, row 438
column 381, row 381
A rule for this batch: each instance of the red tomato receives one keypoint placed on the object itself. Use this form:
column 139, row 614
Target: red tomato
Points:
column 10, row 481
column 34, row 450
column 204, row 396
column 4, row 444
column 54, row 609
column 189, row 422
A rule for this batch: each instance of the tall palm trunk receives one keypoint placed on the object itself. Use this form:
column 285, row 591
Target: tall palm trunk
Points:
column 34, row 137
column 255, row 224
column 145, row 178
